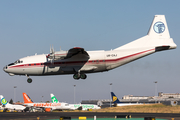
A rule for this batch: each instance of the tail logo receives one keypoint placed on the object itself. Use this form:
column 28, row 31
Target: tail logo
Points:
column 159, row 27
column 114, row 98
column 54, row 100
column 3, row 101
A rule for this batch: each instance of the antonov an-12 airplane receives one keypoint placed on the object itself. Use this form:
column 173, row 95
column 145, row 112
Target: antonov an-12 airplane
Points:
column 77, row 61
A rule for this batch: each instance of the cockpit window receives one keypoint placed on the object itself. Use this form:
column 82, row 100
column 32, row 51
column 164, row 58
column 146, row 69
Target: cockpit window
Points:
column 18, row 61
column 11, row 64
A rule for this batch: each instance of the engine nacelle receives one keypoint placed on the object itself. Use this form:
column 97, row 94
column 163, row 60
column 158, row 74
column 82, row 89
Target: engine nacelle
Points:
column 57, row 55
column 48, row 110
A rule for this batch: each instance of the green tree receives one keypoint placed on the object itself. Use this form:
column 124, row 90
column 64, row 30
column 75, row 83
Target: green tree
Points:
column 11, row 101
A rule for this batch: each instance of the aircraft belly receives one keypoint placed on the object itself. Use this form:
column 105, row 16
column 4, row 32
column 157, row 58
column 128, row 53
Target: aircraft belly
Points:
column 67, row 69
column 94, row 68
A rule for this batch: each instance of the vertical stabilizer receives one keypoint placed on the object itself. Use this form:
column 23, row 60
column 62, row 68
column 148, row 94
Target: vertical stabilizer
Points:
column 53, row 98
column 159, row 28
column 26, row 98
column 114, row 98
column 158, row 37
column 3, row 100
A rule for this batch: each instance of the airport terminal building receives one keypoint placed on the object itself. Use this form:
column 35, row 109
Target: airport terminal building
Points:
column 165, row 98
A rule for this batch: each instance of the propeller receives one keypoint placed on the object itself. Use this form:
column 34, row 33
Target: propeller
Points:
column 51, row 55
column 52, row 50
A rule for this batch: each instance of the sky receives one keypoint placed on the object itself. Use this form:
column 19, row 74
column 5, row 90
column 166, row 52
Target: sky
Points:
column 31, row 26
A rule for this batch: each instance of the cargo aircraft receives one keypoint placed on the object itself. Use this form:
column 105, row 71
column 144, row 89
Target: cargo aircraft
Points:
column 79, row 62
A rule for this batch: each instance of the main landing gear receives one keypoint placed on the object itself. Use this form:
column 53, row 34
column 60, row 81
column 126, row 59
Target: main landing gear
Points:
column 77, row 76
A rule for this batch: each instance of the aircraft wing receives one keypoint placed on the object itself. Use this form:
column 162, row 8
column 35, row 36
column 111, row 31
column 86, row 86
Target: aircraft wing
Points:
column 77, row 51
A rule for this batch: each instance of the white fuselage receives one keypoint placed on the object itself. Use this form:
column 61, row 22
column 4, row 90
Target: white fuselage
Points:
column 84, row 106
column 128, row 104
column 53, row 106
column 14, row 107
column 98, row 61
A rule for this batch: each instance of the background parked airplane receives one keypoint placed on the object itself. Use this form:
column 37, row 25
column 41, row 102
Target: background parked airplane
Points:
column 77, row 61
column 118, row 103
column 48, row 107
column 76, row 106
column 6, row 106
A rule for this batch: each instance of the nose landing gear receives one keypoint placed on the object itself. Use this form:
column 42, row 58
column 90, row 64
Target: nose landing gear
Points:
column 29, row 80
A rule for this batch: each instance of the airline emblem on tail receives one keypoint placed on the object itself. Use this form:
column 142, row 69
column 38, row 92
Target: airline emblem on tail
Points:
column 53, row 98
column 3, row 101
column 159, row 27
column 114, row 98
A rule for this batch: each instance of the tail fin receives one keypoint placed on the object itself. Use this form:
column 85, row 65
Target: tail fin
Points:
column 157, row 37
column 3, row 100
column 114, row 98
column 159, row 28
column 53, row 98
column 26, row 98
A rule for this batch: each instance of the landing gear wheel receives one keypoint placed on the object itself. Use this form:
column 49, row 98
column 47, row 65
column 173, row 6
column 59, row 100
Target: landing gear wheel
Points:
column 29, row 80
column 75, row 76
column 83, row 76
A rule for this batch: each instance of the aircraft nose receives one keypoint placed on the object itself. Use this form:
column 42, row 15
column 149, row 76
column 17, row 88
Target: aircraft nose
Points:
column 5, row 69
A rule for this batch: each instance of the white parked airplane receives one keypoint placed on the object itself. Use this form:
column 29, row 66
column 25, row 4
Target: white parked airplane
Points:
column 48, row 107
column 76, row 106
column 118, row 103
column 77, row 61
column 7, row 106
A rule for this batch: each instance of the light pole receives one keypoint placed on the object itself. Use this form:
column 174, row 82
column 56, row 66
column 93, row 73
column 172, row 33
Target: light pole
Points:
column 155, row 90
column 42, row 99
column 110, row 93
column 15, row 94
column 74, row 93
